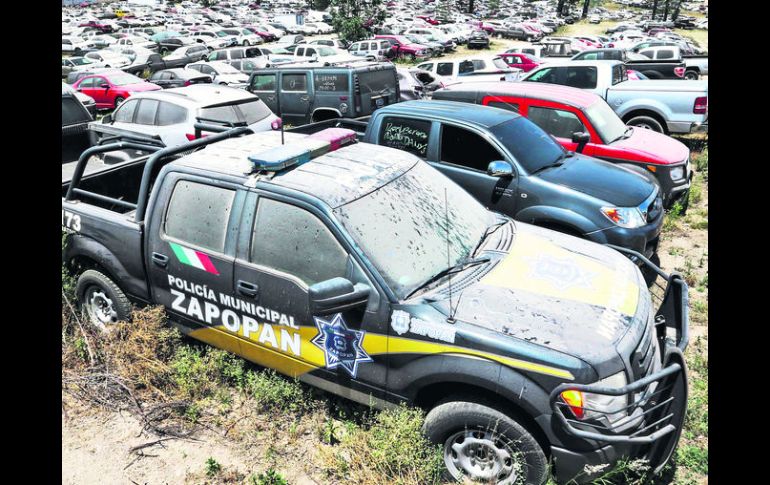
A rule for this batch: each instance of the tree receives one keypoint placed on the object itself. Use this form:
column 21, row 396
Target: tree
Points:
column 354, row 19
column 585, row 8
column 560, row 8
column 654, row 8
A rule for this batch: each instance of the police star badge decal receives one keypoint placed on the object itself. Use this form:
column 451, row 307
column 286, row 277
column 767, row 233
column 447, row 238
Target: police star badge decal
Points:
column 341, row 346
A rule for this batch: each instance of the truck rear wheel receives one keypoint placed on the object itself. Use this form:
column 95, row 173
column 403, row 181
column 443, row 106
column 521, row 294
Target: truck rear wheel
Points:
column 646, row 122
column 103, row 301
column 485, row 444
column 691, row 75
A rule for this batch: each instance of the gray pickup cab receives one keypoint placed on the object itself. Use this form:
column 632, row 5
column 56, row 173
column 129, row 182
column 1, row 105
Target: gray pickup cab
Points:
column 666, row 106
column 512, row 166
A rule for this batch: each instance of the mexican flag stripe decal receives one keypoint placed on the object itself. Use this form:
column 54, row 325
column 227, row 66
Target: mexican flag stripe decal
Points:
column 193, row 258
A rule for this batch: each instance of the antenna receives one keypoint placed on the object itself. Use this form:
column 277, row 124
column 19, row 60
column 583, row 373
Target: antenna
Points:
column 450, row 318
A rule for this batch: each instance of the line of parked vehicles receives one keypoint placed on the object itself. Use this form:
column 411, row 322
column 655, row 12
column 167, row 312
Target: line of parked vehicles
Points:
column 452, row 212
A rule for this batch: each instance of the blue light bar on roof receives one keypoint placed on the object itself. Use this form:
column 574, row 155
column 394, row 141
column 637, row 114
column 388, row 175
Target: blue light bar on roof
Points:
column 279, row 158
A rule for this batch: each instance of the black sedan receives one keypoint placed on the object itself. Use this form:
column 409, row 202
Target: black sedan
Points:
column 179, row 77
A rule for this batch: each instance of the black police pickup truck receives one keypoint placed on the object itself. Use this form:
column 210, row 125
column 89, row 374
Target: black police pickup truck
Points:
column 511, row 165
column 364, row 271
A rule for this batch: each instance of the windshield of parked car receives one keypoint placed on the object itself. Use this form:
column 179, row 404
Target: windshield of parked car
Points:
column 123, row 79
column 402, row 227
column 80, row 61
column 606, row 122
column 532, row 147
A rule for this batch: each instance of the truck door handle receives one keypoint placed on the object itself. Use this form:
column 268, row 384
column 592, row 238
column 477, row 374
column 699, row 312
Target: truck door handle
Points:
column 303, row 98
column 246, row 288
column 160, row 259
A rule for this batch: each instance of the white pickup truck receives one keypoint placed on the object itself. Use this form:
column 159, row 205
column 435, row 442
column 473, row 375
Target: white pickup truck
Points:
column 666, row 106
column 472, row 69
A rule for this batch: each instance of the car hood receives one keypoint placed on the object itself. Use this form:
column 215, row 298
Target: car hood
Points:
column 656, row 146
column 556, row 291
column 600, row 179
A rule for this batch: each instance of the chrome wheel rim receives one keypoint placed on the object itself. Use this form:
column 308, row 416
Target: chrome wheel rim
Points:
column 100, row 308
column 482, row 455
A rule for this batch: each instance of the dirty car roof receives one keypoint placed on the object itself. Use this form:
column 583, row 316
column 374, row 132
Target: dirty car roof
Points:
column 335, row 178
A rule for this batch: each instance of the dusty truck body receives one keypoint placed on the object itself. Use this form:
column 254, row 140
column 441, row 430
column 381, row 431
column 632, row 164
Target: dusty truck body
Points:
column 524, row 344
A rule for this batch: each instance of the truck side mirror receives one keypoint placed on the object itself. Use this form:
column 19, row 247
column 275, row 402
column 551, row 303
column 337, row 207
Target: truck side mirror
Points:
column 581, row 138
column 499, row 168
column 336, row 295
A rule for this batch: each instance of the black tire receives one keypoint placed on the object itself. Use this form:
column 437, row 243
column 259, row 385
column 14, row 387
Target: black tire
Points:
column 647, row 122
column 459, row 423
column 691, row 75
column 246, row 43
column 103, row 301
column 118, row 100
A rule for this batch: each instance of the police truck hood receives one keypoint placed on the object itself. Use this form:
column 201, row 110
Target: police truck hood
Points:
column 600, row 179
column 557, row 291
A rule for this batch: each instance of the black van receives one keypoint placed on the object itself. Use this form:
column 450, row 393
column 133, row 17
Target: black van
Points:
column 304, row 93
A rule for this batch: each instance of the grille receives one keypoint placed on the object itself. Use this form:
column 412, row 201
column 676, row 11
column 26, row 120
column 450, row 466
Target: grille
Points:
column 644, row 355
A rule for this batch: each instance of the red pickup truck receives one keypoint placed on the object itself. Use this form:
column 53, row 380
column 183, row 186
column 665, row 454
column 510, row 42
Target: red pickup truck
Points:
column 582, row 121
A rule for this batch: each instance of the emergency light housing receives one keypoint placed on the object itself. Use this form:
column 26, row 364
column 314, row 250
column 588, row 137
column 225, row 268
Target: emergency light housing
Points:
column 301, row 151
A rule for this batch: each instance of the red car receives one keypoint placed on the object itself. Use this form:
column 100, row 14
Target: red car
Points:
column 111, row 88
column 403, row 47
column 525, row 62
column 430, row 20
column 566, row 113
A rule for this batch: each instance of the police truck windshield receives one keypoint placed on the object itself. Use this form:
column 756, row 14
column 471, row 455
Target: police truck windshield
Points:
column 402, row 226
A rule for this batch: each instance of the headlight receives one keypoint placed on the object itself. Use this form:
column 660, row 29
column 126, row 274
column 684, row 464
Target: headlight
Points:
column 677, row 173
column 586, row 405
column 629, row 217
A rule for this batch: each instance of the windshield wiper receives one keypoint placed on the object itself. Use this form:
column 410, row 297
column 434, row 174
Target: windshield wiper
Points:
column 625, row 135
column 559, row 161
column 487, row 232
column 461, row 266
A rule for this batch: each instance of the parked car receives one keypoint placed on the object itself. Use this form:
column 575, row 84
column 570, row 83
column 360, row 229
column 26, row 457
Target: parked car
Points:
column 524, row 62
column 302, row 94
column 244, row 36
column 512, row 166
column 567, row 113
column 336, row 43
column 663, row 68
column 479, row 39
column 87, row 101
column 246, row 66
column 77, row 63
column 179, row 77
column 190, row 53
column 221, row 73
column 416, row 83
column 403, row 47
column 172, row 114
column 322, row 54
column 665, row 106
column 210, row 39
column 134, row 41
column 373, row 49
column 74, row 125
column 73, row 44
column 694, row 66
column 111, row 88
column 472, row 69
column 108, row 58
column 357, row 302
column 259, row 55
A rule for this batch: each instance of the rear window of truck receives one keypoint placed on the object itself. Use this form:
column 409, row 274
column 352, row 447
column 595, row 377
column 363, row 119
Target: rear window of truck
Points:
column 377, row 81
column 197, row 214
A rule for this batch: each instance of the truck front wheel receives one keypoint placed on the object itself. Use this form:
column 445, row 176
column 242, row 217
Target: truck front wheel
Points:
column 104, row 303
column 485, row 444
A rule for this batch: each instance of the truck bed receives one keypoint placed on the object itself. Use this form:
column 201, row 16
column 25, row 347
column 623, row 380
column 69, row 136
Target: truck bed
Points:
column 356, row 124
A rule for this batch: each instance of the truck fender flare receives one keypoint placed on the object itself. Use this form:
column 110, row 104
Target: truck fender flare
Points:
column 540, row 215
column 79, row 246
column 436, row 376
column 644, row 106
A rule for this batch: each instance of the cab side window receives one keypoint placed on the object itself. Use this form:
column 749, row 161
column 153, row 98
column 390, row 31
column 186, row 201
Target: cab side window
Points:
column 445, row 68
column 547, row 75
column 581, row 77
column 467, row 149
column 291, row 240
column 125, row 113
column 263, row 82
column 294, row 82
column 507, row 105
column 557, row 122
column 406, row 134
column 198, row 214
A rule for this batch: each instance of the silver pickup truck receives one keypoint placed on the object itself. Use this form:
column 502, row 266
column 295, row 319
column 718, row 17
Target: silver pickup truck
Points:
column 666, row 106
